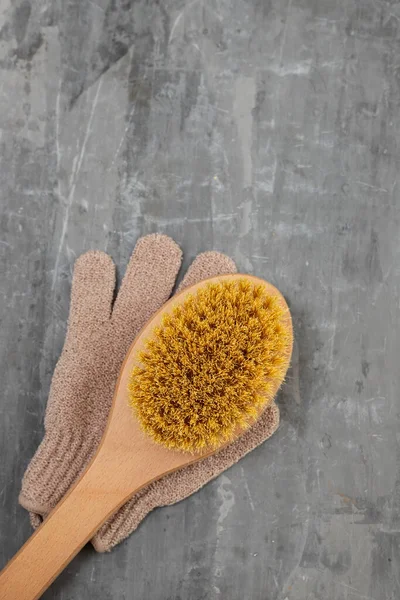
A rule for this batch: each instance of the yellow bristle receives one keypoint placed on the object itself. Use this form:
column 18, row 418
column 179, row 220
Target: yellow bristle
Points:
column 211, row 366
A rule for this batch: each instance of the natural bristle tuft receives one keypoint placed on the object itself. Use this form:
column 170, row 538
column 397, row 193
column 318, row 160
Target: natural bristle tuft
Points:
column 212, row 365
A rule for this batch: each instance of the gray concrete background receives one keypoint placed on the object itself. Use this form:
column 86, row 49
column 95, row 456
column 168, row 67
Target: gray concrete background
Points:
column 266, row 129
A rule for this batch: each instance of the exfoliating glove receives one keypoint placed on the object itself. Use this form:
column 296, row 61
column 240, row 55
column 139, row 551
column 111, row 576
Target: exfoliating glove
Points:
column 99, row 334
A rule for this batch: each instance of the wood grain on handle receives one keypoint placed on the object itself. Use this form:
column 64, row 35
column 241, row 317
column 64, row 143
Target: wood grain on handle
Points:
column 115, row 474
column 67, row 529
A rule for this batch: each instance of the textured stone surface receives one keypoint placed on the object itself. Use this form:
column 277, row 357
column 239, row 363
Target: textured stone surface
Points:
column 265, row 129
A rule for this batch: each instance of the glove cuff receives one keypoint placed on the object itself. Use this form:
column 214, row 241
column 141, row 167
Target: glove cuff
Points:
column 57, row 463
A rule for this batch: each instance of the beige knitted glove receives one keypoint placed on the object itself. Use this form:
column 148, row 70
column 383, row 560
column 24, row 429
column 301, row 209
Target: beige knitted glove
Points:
column 98, row 337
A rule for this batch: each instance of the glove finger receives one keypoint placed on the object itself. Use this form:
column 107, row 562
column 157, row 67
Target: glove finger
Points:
column 147, row 283
column 93, row 285
column 207, row 264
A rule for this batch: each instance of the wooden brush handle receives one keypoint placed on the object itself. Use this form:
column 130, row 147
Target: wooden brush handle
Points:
column 95, row 497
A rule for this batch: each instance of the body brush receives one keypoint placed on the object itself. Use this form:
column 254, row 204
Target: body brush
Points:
column 197, row 376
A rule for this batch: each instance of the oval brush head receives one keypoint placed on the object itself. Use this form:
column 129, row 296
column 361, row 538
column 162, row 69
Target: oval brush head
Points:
column 212, row 365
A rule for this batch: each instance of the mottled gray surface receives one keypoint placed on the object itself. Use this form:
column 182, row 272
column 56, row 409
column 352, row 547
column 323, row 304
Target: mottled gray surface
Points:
column 266, row 129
